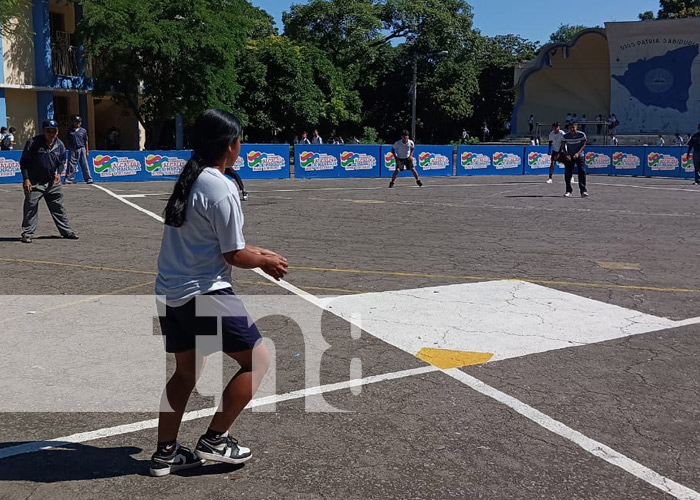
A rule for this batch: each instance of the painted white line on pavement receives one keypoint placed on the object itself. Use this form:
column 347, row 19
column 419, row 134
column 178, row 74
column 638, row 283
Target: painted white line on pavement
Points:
column 659, row 188
column 597, row 449
column 132, row 205
column 82, row 437
column 591, row 446
column 689, row 321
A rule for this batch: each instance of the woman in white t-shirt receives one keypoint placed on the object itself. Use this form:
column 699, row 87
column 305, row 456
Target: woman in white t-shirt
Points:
column 202, row 239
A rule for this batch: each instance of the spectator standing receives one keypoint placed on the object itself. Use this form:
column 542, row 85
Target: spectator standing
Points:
column 694, row 147
column 583, row 123
column 599, row 126
column 403, row 153
column 572, row 147
column 42, row 163
column 660, row 141
column 613, row 140
column 568, row 119
column 113, row 139
column 531, row 123
column 485, row 131
column 465, row 136
column 78, row 152
column 304, row 139
column 613, row 122
column 678, row 140
column 7, row 139
column 316, row 139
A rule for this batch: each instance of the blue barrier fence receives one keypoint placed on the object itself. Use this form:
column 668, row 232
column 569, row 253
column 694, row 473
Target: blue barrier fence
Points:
column 430, row 161
column 336, row 161
column 272, row 161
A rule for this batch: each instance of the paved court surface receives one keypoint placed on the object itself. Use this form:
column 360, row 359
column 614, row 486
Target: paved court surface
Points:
column 483, row 338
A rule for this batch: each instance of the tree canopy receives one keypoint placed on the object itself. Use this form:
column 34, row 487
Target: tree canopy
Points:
column 566, row 33
column 673, row 9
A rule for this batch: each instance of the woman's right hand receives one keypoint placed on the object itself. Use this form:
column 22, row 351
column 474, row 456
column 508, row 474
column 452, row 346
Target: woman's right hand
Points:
column 276, row 266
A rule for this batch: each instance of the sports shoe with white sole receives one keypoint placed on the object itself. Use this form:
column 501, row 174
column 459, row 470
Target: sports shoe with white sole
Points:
column 179, row 458
column 549, row 181
column 567, row 195
column 222, row 449
column 584, row 194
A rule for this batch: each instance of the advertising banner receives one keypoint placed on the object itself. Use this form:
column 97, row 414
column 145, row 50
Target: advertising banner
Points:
column 538, row 160
column 628, row 160
column 598, row 159
column 9, row 167
column 430, row 161
column 663, row 161
column 687, row 167
column 492, row 160
column 336, row 161
column 263, row 161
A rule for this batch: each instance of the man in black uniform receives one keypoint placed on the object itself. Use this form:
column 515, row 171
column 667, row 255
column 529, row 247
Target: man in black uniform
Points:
column 42, row 162
column 694, row 147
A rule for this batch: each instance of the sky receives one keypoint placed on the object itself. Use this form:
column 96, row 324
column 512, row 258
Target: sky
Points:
column 534, row 20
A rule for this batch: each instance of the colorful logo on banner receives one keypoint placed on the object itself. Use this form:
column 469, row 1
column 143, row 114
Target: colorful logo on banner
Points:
column 164, row 165
column 538, row 160
column 357, row 161
column 265, row 162
column 505, row 160
column 597, row 160
column 317, row 161
column 9, row 168
column 108, row 166
column 687, row 162
column 622, row 161
column 240, row 163
column 474, row 161
column 662, row 161
column 433, row 161
column 390, row 160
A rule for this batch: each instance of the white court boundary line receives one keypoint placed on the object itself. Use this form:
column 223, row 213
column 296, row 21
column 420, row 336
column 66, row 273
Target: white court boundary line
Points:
column 659, row 188
column 13, row 451
column 590, row 445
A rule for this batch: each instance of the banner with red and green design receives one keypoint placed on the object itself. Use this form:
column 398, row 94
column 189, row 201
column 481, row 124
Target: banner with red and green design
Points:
column 336, row 161
column 429, row 161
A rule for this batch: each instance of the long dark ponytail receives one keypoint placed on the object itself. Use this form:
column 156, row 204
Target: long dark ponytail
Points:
column 212, row 133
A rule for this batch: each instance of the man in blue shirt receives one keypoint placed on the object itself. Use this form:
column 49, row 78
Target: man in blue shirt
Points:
column 79, row 151
column 42, row 162
column 571, row 153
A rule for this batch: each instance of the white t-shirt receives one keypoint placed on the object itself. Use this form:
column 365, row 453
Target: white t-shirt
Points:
column 317, row 140
column 556, row 139
column 191, row 260
column 403, row 151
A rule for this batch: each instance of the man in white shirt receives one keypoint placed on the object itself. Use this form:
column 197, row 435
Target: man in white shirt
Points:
column 678, row 140
column 660, row 141
column 316, row 138
column 403, row 153
column 304, row 139
column 555, row 138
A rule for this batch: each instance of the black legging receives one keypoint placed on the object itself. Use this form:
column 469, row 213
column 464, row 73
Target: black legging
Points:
column 234, row 175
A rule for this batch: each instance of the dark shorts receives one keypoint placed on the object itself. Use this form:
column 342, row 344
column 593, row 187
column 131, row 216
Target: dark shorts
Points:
column 181, row 326
column 555, row 155
column 404, row 164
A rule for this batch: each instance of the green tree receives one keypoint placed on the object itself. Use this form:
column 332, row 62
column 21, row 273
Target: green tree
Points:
column 566, row 33
column 646, row 16
column 162, row 57
column 14, row 20
column 497, row 58
column 288, row 87
column 675, row 9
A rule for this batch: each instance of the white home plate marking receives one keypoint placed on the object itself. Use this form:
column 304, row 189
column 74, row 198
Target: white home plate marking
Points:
column 506, row 318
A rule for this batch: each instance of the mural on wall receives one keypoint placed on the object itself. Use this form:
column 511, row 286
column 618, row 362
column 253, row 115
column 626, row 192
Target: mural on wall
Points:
column 655, row 75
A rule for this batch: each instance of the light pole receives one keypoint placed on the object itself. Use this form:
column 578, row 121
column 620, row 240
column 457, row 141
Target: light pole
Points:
column 414, row 87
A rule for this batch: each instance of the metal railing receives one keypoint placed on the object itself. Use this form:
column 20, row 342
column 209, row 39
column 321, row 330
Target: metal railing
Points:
column 64, row 59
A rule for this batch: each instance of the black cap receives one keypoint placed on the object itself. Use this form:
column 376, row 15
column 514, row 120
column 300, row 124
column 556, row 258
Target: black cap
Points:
column 77, row 118
column 49, row 124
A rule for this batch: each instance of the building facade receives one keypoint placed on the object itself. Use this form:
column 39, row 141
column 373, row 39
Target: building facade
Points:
column 46, row 76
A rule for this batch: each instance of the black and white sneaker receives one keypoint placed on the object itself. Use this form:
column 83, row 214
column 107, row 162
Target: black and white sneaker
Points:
column 245, row 196
column 179, row 458
column 420, row 184
column 222, row 449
